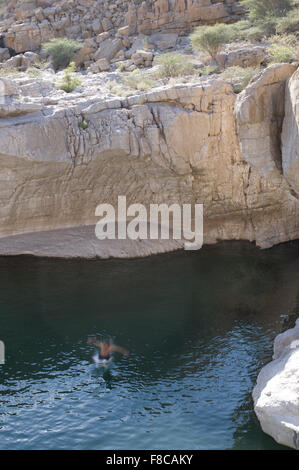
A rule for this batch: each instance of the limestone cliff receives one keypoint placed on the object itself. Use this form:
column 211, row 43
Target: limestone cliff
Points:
column 174, row 144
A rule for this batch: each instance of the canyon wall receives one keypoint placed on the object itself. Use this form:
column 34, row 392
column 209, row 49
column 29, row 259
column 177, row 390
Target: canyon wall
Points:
column 26, row 25
column 188, row 143
column 179, row 15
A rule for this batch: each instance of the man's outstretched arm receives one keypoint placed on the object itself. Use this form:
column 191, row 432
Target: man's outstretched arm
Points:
column 119, row 349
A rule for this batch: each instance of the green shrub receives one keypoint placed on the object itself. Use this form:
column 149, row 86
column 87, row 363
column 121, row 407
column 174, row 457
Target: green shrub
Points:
column 288, row 23
column 84, row 124
column 118, row 89
column 210, row 39
column 69, row 82
column 260, row 9
column 121, row 68
column 281, row 53
column 61, row 51
column 240, row 29
column 285, row 39
column 238, row 77
column 173, row 65
column 33, row 72
column 137, row 80
column 208, row 69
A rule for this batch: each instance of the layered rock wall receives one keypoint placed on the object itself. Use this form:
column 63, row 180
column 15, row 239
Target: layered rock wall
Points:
column 26, row 25
column 175, row 144
column 179, row 15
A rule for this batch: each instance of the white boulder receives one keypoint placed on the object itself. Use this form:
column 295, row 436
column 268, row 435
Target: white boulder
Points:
column 276, row 394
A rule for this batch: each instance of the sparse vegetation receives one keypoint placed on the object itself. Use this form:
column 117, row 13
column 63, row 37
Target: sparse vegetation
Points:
column 210, row 39
column 260, row 9
column 265, row 18
column 173, row 65
column 83, row 124
column 121, row 68
column 239, row 77
column 138, row 80
column 33, row 72
column 61, row 51
column 281, row 53
column 118, row 89
column 289, row 23
column 208, row 69
column 69, row 82
column 9, row 72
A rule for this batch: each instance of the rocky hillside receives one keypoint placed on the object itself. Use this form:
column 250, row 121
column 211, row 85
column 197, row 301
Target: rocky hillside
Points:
column 25, row 26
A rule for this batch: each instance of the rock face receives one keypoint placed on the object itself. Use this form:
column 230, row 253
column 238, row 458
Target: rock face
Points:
column 26, row 25
column 260, row 113
column 290, row 133
column 276, row 394
column 174, row 144
column 179, row 15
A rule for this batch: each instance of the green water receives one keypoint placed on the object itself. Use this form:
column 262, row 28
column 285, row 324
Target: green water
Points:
column 199, row 326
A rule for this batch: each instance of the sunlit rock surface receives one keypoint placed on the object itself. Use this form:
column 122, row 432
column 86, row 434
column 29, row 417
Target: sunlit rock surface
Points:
column 173, row 144
column 276, row 394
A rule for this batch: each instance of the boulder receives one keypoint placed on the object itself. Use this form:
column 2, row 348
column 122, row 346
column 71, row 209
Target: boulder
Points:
column 164, row 41
column 124, row 31
column 103, row 65
column 4, row 54
column 246, row 57
column 83, row 55
column 142, row 58
column 108, row 49
column 276, row 394
column 30, row 57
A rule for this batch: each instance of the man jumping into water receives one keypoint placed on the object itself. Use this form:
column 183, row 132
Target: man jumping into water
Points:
column 106, row 348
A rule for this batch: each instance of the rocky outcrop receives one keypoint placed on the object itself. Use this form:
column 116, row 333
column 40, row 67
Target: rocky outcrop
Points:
column 243, row 57
column 276, row 394
column 290, row 133
column 26, row 25
column 260, row 113
column 174, row 144
column 179, row 15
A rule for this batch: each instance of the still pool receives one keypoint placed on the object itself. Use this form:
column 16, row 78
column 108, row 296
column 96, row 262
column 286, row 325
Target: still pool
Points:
column 199, row 326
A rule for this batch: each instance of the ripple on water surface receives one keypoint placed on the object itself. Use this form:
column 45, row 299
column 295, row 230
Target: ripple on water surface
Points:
column 199, row 326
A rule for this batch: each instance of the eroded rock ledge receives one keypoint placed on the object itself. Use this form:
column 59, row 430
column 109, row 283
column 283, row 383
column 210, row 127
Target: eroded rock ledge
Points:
column 276, row 394
column 188, row 143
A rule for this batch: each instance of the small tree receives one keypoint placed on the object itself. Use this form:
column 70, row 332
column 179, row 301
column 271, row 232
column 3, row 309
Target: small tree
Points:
column 69, row 82
column 211, row 38
column 259, row 9
column 62, row 51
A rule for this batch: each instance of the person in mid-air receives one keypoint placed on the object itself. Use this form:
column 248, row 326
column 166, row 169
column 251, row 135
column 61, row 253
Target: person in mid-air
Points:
column 105, row 349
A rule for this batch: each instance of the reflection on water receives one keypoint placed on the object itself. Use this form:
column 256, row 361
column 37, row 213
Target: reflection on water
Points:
column 199, row 326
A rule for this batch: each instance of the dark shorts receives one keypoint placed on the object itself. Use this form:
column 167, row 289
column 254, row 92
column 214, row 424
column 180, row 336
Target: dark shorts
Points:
column 101, row 358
